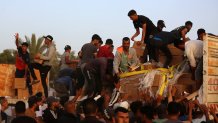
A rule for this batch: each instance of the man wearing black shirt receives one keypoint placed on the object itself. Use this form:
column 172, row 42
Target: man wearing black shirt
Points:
column 23, row 64
column 148, row 30
column 160, row 42
column 180, row 33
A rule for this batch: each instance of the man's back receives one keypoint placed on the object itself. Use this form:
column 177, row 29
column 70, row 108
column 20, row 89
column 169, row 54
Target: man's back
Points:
column 194, row 51
column 172, row 121
column 23, row 119
column 88, row 51
column 177, row 32
column 150, row 27
column 68, row 118
column 91, row 119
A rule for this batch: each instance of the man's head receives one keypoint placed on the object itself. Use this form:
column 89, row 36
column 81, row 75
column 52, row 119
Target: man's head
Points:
column 188, row 25
column 173, row 109
column 121, row 115
column 135, row 108
column 67, row 48
column 52, row 102
column 3, row 103
column 90, row 107
column 96, row 39
column 201, row 32
column 48, row 40
column 32, row 102
column 160, row 24
column 147, row 112
column 24, row 46
column 126, row 43
column 69, row 107
column 109, row 42
column 133, row 15
column 20, row 108
column 99, row 44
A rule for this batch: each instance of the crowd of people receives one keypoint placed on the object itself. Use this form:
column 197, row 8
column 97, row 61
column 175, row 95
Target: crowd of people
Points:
column 91, row 92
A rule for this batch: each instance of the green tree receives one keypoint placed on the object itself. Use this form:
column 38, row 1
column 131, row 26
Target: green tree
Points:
column 34, row 45
column 8, row 56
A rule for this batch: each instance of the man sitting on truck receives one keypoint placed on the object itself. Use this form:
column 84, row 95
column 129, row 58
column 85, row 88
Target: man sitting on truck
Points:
column 125, row 57
column 194, row 53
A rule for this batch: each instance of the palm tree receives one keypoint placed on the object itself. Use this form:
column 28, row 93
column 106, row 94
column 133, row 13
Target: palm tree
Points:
column 34, row 45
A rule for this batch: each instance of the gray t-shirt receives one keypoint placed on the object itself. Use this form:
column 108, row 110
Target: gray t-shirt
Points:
column 63, row 60
column 88, row 51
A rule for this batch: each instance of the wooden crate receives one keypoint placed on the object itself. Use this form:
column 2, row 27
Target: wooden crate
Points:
column 178, row 55
column 130, row 85
column 186, row 79
column 19, row 83
column 22, row 93
column 175, row 60
column 174, row 51
column 139, row 49
column 7, row 80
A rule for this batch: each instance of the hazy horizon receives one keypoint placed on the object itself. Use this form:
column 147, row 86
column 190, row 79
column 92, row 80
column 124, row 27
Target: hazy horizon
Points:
column 73, row 22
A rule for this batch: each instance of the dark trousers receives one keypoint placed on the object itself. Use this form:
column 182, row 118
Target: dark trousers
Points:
column 43, row 74
column 92, row 83
column 32, row 71
column 148, row 51
column 168, row 55
column 158, row 44
column 21, row 74
column 80, row 78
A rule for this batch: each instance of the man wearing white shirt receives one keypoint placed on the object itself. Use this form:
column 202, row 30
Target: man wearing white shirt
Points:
column 194, row 53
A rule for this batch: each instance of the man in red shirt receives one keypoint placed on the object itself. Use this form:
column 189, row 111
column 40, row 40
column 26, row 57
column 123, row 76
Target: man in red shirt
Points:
column 105, row 51
column 22, row 63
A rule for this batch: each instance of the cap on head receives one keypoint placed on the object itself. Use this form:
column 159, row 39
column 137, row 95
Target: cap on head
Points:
column 161, row 23
column 25, row 44
column 49, row 37
column 67, row 47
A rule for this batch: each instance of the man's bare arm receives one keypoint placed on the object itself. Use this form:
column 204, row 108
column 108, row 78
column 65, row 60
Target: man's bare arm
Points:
column 17, row 39
column 136, row 34
column 183, row 33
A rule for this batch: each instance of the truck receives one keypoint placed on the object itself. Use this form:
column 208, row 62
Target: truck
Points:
column 210, row 71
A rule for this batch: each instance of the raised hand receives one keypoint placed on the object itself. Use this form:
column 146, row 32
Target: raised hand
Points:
column 16, row 36
column 212, row 110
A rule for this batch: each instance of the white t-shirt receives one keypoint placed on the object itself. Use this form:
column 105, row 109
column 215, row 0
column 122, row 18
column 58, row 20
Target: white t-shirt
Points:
column 194, row 51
